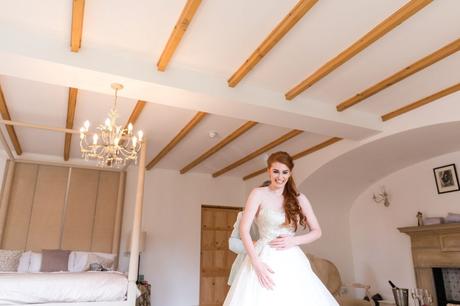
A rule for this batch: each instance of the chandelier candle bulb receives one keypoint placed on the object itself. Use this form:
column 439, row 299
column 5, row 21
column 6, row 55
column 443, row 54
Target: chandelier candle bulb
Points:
column 95, row 139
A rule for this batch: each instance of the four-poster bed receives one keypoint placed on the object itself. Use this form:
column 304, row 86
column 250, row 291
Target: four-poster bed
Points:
column 129, row 281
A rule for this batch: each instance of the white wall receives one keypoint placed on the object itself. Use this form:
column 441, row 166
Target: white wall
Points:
column 172, row 219
column 380, row 251
column 333, row 216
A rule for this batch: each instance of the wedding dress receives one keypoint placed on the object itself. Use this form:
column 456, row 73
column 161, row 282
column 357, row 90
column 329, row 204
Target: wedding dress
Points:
column 295, row 282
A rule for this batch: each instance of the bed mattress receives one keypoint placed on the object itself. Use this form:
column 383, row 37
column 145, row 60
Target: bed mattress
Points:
column 25, row 288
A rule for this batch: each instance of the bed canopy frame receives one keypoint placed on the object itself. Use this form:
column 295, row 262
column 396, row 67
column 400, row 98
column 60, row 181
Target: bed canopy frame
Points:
column 136, row 227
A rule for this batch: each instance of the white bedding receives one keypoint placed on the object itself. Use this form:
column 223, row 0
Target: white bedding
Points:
column 24, row 288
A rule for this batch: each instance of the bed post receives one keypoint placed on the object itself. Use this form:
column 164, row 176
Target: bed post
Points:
column 136, row 230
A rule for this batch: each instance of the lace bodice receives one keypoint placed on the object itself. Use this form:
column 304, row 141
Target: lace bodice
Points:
column 270, row 223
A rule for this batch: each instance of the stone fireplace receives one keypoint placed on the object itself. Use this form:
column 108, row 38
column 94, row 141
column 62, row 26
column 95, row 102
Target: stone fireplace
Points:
column 436, row 258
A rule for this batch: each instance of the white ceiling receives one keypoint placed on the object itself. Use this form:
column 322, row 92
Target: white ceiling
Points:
column 45, row 104
column 123, row 40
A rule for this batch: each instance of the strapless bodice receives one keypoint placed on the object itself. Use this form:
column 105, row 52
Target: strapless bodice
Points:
column 270, row 223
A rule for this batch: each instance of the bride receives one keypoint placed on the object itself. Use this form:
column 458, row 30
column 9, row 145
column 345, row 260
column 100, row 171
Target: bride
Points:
column 276, row 272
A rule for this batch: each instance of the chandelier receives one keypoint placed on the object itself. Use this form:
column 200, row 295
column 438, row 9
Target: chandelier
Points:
column 110, row 145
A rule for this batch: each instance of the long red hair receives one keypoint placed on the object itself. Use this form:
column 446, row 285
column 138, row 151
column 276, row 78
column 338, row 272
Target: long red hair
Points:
column 291, row 205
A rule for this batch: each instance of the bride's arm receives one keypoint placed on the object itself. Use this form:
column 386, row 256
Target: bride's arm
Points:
column 249, row 213
column 285, row 241
column 313, row 224
column 250, row 210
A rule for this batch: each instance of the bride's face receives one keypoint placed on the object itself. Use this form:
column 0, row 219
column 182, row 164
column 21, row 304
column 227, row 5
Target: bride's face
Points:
column 279, row 174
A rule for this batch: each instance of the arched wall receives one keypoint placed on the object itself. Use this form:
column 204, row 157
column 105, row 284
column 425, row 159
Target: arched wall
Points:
column 334, row 187
column 380, row 251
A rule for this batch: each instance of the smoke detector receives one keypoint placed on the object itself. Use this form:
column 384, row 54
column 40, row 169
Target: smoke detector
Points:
column 213, row 134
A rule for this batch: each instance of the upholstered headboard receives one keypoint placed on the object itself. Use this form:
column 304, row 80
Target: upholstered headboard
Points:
column 59, row 207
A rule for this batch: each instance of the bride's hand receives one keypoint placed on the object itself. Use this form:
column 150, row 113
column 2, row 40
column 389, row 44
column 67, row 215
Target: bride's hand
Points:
column 263, row 274
column 283, row 242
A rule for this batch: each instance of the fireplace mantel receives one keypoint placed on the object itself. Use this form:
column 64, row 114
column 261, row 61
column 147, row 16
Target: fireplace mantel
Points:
column 449, row 227
column 433, row 246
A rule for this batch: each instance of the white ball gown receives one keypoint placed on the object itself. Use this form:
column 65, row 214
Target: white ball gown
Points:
column 295, row 282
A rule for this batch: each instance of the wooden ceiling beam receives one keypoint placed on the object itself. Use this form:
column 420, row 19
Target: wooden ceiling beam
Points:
column 299, row 155
column 421, row 102
column 78, row 11
column 234, row 135
column 301, row 8
column 434, row 57
column 254, row 174
column 71, row 106
column 134, row 116
column 384, row 27
column 179, row 30
column 318, row 147
column 9, row 128
column 136, row 112
column 192, row 123
column 258, row 152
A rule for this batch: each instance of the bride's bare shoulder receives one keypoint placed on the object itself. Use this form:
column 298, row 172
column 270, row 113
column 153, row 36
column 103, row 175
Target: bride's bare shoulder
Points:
column 302, row 197
column 303, row 200
column 260, row 190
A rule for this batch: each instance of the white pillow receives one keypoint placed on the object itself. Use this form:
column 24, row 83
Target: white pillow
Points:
column 77, row 261
column 80, row 261
column 24, row 262
column 107, row 260
column 35, row 262
column 71, row 261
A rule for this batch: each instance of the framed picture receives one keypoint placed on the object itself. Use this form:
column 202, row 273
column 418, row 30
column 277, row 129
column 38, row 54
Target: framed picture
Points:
column 446, row 178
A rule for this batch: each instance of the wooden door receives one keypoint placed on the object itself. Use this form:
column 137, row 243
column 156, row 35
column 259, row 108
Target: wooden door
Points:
column 216, row 259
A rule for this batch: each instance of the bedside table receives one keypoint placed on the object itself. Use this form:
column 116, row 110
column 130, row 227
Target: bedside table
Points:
column 144, row 298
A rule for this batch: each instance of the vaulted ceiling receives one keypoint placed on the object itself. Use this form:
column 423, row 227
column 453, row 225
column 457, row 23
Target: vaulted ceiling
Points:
column 265, row 75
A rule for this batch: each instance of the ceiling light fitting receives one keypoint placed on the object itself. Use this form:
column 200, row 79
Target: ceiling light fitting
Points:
column 111, row 145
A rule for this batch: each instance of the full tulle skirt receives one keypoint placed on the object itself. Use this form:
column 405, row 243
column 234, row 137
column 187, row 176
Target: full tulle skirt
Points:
column 295, row 282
